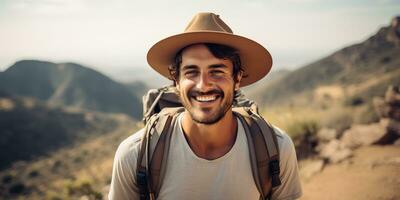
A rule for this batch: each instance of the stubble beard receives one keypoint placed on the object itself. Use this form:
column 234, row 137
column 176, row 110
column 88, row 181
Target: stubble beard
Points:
column 215, row 117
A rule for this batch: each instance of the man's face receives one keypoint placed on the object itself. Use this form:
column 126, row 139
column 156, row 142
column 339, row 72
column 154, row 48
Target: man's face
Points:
column 206, row 85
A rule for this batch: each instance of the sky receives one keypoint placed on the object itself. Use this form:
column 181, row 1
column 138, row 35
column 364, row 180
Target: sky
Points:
column 113, row 36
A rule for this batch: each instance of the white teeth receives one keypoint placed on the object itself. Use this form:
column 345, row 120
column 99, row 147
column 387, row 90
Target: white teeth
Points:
column 206, row 98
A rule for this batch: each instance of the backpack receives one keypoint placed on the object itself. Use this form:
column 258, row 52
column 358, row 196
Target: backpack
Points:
column 161, row 108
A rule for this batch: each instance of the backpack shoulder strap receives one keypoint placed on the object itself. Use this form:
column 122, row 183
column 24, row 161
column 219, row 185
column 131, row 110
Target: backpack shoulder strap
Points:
column 152, row 158
column 263, row 148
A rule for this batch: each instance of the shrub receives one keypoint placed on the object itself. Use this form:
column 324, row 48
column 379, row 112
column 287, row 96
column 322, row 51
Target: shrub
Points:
column 7, row 178
column 33, row 173
column 17, row 188
column 82, row 187
column 302, row 127
column 304, row 137
column 354, row 101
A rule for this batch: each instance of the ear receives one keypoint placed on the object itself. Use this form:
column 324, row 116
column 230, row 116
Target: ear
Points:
column 238, row 79
column 177, row 86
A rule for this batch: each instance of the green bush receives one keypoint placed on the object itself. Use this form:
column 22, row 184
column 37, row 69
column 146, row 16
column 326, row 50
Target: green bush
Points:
column 34, row 173
column 17, row 188
column 304, row 138
column 302, row 127
column 7, row 178
column 354, row 101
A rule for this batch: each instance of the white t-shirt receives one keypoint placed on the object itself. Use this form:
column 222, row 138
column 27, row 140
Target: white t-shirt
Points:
column 188, row 176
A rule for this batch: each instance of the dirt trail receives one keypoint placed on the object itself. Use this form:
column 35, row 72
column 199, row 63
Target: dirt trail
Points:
column 372, row 173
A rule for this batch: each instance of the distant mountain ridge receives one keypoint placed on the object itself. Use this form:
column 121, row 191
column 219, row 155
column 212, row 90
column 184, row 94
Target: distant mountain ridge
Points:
column 69, row 84
column 363, row 70
column 29, row 128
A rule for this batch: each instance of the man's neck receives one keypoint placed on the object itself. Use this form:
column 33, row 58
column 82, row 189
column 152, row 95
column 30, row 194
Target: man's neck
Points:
column 210, row 141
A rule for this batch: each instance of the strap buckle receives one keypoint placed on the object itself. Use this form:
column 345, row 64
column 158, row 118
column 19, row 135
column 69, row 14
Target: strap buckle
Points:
column 275, row 171
column 141, row 179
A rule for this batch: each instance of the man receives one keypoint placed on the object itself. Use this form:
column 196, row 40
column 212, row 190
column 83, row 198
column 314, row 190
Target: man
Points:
column 208, row 156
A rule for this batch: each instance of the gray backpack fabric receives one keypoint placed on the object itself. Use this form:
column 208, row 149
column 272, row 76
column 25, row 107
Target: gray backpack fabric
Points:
column 157, row 99
column 161, row 108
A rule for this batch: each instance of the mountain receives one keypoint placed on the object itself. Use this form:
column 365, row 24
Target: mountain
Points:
column 138, row 88
column 252, row 91
column 29, row 128
column 69, row 84
column 353, row 74
column 139, row 74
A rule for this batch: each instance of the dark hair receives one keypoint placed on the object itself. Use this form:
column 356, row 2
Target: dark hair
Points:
column 218, row 50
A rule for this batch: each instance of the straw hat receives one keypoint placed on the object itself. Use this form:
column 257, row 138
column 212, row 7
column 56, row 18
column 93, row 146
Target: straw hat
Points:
column 209, row 28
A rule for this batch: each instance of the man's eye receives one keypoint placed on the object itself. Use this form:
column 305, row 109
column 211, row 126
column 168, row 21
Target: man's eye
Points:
column 217, row 72
column 191, row 73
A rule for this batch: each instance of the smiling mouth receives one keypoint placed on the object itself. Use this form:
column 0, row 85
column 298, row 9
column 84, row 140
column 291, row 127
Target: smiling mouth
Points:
column 206, row 98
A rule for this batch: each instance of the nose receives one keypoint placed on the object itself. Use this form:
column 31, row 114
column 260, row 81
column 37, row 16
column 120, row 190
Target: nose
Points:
column 204, row 83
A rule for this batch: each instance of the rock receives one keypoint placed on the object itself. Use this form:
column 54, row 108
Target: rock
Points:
column 329, row 148
column 327, row 134
column 340, row 155
column 385, row 109
column 335, row 151
column 389, row 106
column 393, row 126
column 394, row 112
column 397, row 142
column 392, row 95
column 381, row 107
column 363, row 135
column 394, row 31
column 311, row 168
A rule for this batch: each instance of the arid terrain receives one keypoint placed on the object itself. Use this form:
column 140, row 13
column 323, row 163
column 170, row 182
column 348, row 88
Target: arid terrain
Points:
column 372, row 173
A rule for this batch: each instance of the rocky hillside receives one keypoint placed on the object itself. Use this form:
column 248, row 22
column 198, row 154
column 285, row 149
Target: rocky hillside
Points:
column 69, row 84
column 354, row 73
column 361, row 163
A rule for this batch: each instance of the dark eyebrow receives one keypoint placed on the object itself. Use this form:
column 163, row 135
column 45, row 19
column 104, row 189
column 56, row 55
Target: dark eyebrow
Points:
column 187, row 67
column 215, row 66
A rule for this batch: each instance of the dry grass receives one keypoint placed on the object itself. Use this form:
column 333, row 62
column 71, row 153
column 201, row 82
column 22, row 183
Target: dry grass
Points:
column 334, row 92
column 333, row 115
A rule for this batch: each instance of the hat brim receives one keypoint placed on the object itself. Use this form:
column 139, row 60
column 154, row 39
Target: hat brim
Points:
column 255, row 59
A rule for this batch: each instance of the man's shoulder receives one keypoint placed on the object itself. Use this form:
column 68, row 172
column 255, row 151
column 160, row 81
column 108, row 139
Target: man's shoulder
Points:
column 128, row 149
column 285, row 143
column 289, row 175
column 283, row 138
